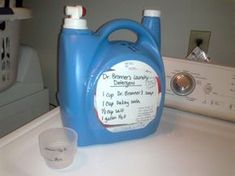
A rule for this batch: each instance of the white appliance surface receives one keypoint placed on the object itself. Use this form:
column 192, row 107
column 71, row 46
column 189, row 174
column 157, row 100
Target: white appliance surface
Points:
column 185, row 144
column 214, row 88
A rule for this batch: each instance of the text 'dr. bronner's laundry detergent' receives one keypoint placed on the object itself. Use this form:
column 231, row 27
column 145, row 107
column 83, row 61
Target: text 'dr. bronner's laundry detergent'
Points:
column 110, row 91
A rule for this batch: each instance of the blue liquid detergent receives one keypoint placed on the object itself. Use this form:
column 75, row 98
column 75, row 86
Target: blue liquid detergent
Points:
column 110, row 91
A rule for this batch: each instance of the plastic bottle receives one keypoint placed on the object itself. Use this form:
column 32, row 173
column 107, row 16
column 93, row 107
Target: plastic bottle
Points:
column 110, row 91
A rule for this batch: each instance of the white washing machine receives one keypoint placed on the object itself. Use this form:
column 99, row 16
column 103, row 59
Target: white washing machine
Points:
column 186, row 143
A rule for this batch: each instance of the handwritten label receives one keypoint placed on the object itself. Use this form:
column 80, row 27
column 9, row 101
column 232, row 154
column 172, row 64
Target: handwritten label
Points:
column 127, row 96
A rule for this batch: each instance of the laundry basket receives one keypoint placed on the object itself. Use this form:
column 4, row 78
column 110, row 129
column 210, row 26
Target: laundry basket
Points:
column 10, row 18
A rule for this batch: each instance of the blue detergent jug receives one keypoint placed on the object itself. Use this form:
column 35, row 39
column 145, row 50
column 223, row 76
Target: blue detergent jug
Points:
column 110, row 91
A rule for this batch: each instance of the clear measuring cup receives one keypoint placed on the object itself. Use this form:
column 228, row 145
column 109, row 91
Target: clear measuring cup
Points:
column 58, row 147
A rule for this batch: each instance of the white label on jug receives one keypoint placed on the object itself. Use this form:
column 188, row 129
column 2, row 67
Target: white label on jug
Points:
column 127, row 96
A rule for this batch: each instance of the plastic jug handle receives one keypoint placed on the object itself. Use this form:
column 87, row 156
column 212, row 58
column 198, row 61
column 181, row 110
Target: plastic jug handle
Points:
column 143, row 35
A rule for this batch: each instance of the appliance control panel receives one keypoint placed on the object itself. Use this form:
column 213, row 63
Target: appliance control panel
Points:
column 201, row 88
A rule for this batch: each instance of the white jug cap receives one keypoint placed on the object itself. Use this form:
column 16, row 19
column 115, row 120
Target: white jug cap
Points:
column 152, row 13
column 73, row 19
column 75, row 23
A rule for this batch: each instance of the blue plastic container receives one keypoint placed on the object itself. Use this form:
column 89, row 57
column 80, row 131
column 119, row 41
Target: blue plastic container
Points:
column 110, row 91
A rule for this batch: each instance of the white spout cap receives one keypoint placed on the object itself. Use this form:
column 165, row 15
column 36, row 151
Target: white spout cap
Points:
column 73, row 19
column 152, row 13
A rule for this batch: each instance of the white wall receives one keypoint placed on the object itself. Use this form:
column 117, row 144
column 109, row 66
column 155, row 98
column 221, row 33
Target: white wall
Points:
column 178, row 18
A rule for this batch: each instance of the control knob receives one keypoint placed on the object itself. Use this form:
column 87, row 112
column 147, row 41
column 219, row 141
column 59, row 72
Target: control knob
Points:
column 182, row 83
